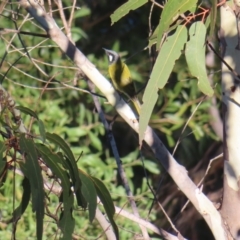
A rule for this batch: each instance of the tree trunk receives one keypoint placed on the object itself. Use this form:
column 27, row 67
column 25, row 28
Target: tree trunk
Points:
column 229, row 35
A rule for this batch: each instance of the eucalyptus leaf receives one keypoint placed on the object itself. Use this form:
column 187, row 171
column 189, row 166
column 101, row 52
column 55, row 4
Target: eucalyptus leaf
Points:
column 32, row 171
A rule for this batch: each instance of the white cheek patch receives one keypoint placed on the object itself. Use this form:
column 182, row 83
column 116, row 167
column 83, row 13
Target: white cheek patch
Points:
column 110, row 56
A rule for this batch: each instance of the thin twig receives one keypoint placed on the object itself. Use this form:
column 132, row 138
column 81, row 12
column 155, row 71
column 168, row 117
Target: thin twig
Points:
column 50, row 8
column 223, row 61
column 147, row 224
column 8, row 30
column 201, row 181
column 157, row 4
column 155, row 199
column 15, row 112
column 186, row 124
column 64, row 21
column 168, row 218
column 72, row 14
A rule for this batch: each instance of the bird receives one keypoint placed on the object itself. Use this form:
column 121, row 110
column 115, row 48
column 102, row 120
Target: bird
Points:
column 121, row 78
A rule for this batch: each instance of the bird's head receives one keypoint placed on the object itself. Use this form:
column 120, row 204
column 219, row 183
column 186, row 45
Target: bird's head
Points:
column 113, row 57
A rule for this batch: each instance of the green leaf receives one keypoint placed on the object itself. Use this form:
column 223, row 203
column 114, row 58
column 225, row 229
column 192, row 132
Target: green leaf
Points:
column 153, row 38
column 3, row 162
column 107, row 202
column 126, row 8
column 18, row 212
column 82, row 12
column 67, row 164
column 170, row 52
column 42, row 130
column 151, row 166
column 95, row 141
column 211, row 5
column 3, row 148
column 76, row 178
column 72, row 166
column 74, row 133
column 62, row 144
column 27, row 111
column 89, row 193
column 32, row 171
column 57, row 166
column 78, row 33
column 66, row 224
column 195, row 56
column 170, row 140
column 172, row 9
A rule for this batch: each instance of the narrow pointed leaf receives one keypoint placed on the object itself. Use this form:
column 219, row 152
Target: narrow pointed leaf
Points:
column 66, row 224
column 67, row 164
column 195, row 56
column 32, row 171
column 89, row 193
column 107, row 202
column 126, row 8
column 95, row 141
column 66, row 149
column 3, row 162
column 56, row 164
column 42, row 130
column 18, row 212
column 170, row 52
column 62, row 144
column 72, row 166
column 213, row 16
column 27, row 111
column 80, row 198
column 171, row 10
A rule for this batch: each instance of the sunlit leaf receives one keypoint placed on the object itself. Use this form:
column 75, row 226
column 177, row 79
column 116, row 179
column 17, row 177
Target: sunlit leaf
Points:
column 95, row 141
column 126, row 8
column 170, row 52
column 195, row 56
column 151, row 166
column 172, row 9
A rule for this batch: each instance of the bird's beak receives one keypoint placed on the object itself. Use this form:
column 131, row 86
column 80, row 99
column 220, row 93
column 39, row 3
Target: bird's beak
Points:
column 106, row 51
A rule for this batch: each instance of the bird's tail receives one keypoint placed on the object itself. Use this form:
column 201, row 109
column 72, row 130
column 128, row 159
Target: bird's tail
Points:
column 136, row 104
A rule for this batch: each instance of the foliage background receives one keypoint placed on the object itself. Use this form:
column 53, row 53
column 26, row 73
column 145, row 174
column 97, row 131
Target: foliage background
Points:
column 70, row 113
